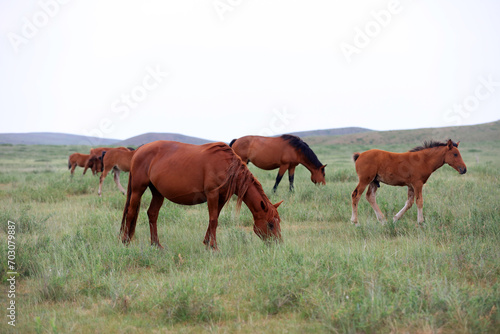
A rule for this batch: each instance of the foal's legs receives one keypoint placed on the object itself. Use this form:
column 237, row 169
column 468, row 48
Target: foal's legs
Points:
column 420, row 202
column 101, row 180
column 154, row 209
column 117, row 180
column 371, row 197
column 356, row 195
column 408, row 204
column 281, row 172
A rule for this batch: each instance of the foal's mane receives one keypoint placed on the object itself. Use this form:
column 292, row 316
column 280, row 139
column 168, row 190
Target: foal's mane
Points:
column 430, row 144
column 238, row 177
column 302, row 146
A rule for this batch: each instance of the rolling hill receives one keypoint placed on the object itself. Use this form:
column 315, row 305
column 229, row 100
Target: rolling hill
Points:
column 352, row 135
column 470, row 133
column 51, row 138
column 152, row 136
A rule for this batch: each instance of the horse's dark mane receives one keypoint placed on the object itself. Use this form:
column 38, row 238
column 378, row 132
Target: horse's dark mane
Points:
column 430, row 144
column 238, row 178
column 304, row 148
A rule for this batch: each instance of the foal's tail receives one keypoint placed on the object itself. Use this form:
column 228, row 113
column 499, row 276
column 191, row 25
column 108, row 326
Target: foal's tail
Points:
column 355, row 156
column 127, row 203
column 232, row 142
column 69, row 164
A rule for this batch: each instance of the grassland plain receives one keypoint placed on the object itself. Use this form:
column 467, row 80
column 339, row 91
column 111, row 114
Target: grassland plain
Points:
column 327, row 275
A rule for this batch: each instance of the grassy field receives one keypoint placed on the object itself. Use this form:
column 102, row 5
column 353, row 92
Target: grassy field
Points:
column 327, row 276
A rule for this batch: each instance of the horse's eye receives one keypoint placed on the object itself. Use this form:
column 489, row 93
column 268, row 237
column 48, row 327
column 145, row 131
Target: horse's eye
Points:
column 455, row 155
column 270, row 225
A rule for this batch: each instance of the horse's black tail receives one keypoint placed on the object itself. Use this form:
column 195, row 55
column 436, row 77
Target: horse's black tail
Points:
column 127, row 203
column 355, row 156
column 69, row 164
column 102, row 160
column 232, row 142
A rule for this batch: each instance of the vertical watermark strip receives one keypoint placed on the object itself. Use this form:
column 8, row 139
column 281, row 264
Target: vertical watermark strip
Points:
column 12, row 273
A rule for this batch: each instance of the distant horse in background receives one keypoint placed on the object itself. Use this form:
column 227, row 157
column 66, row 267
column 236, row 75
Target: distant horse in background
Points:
column 192, row 174
column 80, row 160
column 115, row 159
column 284, row 152
column 95, row 161
column 411, row 169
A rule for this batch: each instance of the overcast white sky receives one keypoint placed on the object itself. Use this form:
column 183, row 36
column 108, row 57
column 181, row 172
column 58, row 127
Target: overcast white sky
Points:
column 221, row 69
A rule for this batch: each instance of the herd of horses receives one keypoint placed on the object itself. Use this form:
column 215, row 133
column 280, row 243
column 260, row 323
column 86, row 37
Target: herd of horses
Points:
column 192, row 174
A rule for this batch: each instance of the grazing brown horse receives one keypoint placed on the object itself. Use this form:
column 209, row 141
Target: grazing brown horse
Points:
column 193, row 174
column 95, row 161
column 118, row 160
column 411, row 169
column 284, row 152
column 78, row 159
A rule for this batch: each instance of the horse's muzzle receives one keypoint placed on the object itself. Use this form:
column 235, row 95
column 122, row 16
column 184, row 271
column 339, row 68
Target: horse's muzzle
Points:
column 462, row 170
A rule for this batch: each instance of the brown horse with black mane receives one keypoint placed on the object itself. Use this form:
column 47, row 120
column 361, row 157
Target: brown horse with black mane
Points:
column 411, row 169
column 284, row 152
column 192, row 174
column 118, row 160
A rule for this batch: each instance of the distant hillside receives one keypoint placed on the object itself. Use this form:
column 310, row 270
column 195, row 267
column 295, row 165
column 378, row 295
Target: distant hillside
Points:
column 49, row 138
column 470, row 133
column 331, row 132
column 149, row 137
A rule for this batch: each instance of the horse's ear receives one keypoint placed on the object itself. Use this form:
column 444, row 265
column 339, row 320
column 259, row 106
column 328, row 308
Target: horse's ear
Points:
column 450, row 144
column 278, row 204
column 458, row 142
column 323, row 167
column 263, row 206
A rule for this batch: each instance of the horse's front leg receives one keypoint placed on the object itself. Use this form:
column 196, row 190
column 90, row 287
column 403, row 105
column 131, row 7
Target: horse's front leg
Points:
column 214, row 208
column 420, row 203
column 291, row 176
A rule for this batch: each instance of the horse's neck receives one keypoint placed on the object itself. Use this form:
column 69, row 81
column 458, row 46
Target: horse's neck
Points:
column 434, row 157
column 253, row 198
column 307, row 163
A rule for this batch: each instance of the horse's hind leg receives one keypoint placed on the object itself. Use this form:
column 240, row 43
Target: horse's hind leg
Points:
column 371, row 195
column 408, row 204
column 101, row 181
column 117, row 180
column 281, row 172
column 154, row 209
column 356, row 195
column 128, row 226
